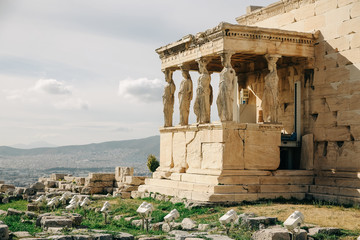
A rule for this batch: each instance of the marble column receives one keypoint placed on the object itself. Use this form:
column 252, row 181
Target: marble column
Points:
column 225, row 99
column 204, row 93
column 270, row 99
column 185, row 95
column 168, row 98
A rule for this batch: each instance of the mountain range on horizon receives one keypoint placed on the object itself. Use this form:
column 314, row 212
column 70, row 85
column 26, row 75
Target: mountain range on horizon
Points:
column 44, row 146
column 20, row 166
column 39, row 144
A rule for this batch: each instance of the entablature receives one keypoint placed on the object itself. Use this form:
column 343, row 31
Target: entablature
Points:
column 245, row 42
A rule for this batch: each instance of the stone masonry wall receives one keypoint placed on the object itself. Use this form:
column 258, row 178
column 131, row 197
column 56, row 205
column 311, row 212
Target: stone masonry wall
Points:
column 332, row 107
column 332, row 103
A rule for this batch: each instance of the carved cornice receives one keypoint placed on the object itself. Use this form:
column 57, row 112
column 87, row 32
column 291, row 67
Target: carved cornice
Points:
column 231, row 31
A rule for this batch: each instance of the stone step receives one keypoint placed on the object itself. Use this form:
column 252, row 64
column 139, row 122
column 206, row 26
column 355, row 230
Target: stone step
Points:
column 280, row 177
column 338, row 182
column 208, row 188
column 334, row 198
column 217, row 197
column 284, row 188
column 295, row 180
column 293, row 173
column 338, row 191
column 339, row 174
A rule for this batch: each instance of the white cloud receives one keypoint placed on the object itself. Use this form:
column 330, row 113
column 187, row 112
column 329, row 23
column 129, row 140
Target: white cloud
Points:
column 52, row 86
column 141, row 89
column 49, row 91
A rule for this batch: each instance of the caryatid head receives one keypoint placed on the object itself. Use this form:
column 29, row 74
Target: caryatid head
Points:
column 202, row 63
column 168, row 75
column 272, row 59
column 226, row 59
column 185, row 71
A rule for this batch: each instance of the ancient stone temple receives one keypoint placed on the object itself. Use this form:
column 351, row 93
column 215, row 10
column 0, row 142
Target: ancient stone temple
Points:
column 288, row 107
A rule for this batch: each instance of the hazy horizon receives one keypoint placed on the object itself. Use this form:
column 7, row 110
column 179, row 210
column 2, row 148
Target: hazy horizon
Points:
column 43, row 144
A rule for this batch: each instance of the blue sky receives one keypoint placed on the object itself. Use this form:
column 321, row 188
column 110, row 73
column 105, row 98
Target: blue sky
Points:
column 84, row 71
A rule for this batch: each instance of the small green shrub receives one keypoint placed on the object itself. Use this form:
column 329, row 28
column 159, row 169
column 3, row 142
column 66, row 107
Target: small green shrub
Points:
column 152, row 163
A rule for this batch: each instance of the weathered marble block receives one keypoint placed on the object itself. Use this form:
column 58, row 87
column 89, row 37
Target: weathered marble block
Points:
column 212, row 148
column 122, row 172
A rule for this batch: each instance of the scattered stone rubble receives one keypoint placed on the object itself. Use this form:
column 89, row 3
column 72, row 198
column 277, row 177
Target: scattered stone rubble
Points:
column 121, row 182
column 188, row 229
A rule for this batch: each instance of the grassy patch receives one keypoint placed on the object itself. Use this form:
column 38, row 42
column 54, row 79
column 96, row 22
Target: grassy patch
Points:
column 240, row 233
column 17, row 223
column 95, row 220
column 319, row 213
column 344, row 235
column 18, row 205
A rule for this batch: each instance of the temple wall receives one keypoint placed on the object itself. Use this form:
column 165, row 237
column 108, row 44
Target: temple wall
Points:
column 333, row 101
column 332, row 104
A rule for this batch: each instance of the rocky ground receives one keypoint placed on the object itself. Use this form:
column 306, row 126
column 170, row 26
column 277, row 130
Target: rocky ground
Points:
column 42, row 211
column 60, row 224
column 67, row 226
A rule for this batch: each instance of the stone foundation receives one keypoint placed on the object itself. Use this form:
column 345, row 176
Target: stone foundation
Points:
column 242, row 185
column 225, row 162
column 337, row 186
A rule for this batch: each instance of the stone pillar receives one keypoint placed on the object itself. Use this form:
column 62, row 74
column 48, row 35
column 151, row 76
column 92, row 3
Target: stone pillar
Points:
column 204, row 93
column 168, row 98
column 185, row 95
column 225, row 99
column 270, row 99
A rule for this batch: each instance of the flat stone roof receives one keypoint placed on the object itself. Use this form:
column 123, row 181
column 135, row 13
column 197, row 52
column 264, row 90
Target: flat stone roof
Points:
column 246, row 42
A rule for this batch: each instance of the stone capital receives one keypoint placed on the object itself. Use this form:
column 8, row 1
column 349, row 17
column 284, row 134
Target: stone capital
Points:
column 226, row 58
column 202, row 63
column 184, row 67
column 272, row 57
column 271, row 60
column 205, row 60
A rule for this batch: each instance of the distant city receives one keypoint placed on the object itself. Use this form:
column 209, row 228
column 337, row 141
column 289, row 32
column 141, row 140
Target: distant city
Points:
column 22, row 167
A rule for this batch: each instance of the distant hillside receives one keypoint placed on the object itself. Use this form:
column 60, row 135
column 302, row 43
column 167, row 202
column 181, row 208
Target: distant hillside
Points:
column 141, row 146
column 23, row 165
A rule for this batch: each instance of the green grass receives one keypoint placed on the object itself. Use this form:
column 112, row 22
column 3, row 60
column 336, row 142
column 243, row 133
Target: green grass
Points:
column 240, row 233
column 18, row 205
column 128, row 207
column 343, row 233
column 95, row 220
column 19, row 223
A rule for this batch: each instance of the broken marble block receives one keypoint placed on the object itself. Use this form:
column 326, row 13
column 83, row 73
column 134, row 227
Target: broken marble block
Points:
column 55, row 221
column 122, row 172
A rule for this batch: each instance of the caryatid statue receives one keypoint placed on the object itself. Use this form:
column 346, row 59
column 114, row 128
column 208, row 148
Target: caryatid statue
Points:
column 270, row 99
column 225, row 99
column 168, row 98
column 185, row 95
column 204, row 96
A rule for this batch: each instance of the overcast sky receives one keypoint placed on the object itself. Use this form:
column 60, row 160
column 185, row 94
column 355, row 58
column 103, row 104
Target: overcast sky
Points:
column 85, row 71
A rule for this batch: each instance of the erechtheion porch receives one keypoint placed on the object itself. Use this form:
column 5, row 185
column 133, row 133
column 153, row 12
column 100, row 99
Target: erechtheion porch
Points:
column 262, row 72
